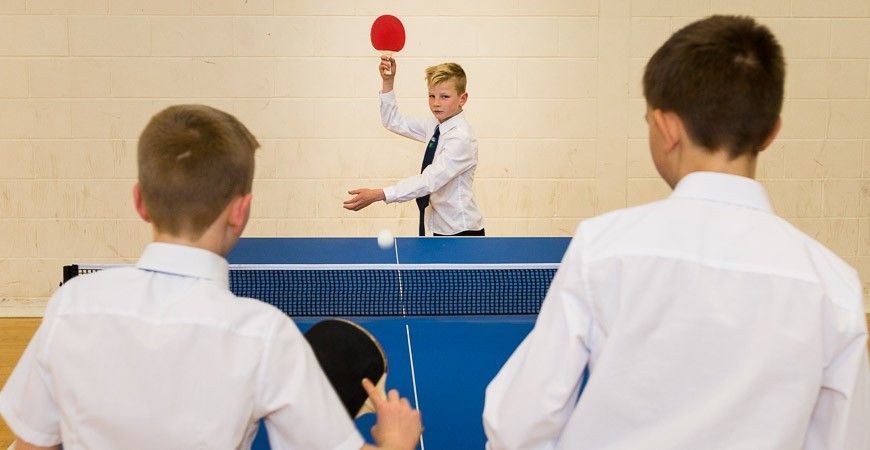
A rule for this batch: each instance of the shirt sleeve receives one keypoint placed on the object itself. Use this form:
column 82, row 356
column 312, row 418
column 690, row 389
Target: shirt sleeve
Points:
column 301, row 409
column 27, row 403
column 456, row 157
column 532, row 397
column 409, row 127
column 842, row 411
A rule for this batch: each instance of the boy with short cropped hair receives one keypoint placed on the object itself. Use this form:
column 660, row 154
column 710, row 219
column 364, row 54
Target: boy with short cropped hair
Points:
column 703, row 320
column 163, row 355
column 444, row 185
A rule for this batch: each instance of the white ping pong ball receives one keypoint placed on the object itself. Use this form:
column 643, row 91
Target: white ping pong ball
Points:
column 385, row 239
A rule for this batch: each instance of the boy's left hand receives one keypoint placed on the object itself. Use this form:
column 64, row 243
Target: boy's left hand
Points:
column 363, row 197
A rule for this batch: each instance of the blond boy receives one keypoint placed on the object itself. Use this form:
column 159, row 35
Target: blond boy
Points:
column 444, row 188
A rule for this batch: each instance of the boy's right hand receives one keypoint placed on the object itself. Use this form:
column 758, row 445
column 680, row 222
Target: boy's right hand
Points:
column 387, row 69
column 398, row 426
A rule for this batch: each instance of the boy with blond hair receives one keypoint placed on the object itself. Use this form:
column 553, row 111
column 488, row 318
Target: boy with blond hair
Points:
column 703, row 320
column 162, row 354
column 444, row 185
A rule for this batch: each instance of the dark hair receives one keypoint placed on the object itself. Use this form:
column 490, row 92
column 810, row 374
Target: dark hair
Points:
column 724, row 77
column 193, row 160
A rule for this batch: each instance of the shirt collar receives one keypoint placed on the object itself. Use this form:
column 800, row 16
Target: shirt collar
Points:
column 724, row 188
column 185, row 261
column 452, row 122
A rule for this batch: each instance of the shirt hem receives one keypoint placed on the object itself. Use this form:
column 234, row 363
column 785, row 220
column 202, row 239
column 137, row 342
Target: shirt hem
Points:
column 31, row 436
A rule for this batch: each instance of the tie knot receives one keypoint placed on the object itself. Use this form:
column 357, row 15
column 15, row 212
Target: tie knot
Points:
column 436, row 133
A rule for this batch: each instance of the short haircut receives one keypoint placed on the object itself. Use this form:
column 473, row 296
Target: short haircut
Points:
column 193, row 160
column 723, row 76
column 444, row 72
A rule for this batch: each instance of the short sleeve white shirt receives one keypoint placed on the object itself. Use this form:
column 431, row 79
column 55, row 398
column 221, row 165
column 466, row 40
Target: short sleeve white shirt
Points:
column 705, row 322
column 163, row 355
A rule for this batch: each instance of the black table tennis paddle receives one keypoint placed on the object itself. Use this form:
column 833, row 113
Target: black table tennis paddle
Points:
column 348, row 353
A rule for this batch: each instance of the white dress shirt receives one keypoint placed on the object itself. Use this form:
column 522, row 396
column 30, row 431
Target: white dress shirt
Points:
column 705, row 321
column 448, row 180
column 163, row 355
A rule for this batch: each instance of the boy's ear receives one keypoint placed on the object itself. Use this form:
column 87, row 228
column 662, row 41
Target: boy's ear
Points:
column 775, row 131
column 462, row 99
column 139, row 203
column 670, row 126
column 239, row 212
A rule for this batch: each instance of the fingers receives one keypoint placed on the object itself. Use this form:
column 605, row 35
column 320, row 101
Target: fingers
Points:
column 354, row 203
column 393, row 395
column 373, row 393
column 398, row 424
column 378, row 398
column 387, row 67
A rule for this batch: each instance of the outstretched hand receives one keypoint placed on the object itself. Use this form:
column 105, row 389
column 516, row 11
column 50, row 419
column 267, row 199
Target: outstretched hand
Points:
column 363, row 197
column 398, row 425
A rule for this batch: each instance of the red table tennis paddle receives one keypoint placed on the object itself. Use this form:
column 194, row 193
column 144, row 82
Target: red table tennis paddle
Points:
column 388, row 35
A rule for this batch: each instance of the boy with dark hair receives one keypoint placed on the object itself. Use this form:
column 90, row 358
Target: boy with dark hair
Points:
column 703, row 320
column 163, row 355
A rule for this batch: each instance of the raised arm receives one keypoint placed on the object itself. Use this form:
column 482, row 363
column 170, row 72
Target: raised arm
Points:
column 393, row 120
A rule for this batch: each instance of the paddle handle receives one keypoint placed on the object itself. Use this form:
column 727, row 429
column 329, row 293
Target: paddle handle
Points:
column 388, row 54
column 368, row 407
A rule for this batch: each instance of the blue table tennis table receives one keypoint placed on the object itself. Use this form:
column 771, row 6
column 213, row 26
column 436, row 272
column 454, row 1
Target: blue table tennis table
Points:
column 441, row 359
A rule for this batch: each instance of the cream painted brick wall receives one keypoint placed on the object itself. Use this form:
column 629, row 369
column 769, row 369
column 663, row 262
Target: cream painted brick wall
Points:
column 793, row 198
column 149, row 7
column 233, row 7
column 554, row 97
column 109, row 36
column 191, row 36
column 849, row 39
column 830, row 8
column 25, row 35
column 766, row 8
column 13, row 72
column 69, row 77
column 67, row 6
column 35, row 119
column 13, row 7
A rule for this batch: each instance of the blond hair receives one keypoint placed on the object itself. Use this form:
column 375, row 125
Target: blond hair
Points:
column 193, row 160
column 445, row 72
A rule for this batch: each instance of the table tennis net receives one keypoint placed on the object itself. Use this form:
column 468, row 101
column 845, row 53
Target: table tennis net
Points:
column 388, row 290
